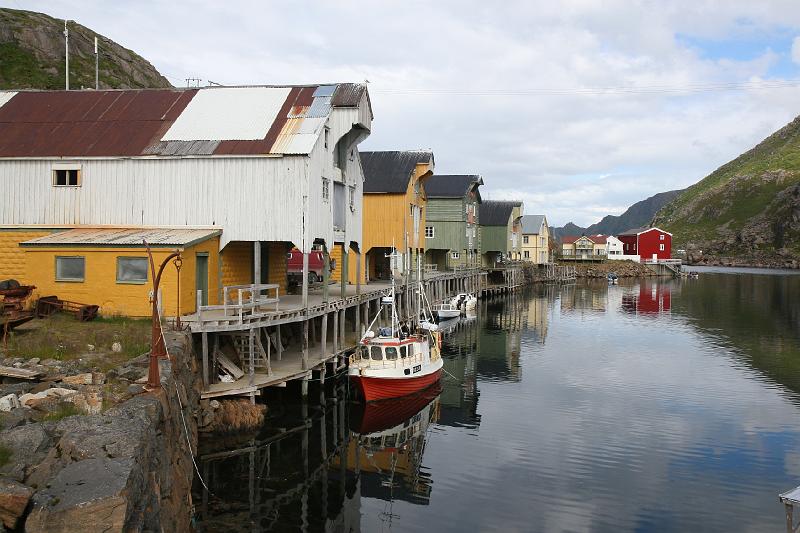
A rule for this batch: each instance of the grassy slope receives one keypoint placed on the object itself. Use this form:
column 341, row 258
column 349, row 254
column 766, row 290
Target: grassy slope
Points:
column 735, row 193
column 23, row 65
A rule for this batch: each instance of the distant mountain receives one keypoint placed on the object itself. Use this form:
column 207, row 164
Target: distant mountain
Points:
column 637, row 215
column 748, row 210
column 32, row 56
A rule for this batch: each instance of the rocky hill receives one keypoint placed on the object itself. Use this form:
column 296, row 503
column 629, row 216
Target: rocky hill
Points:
column 746, row 212
column 32, row 56
column 637, row 215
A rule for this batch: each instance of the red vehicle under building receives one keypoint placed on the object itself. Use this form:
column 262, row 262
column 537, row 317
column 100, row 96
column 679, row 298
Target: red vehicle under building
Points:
column 647, row 243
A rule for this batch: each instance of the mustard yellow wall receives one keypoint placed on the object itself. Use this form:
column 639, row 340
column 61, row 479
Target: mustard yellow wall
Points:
column 100, row 285
column 12, row 256
column 388, row 217
column 237, row 263
column 277, row 264
column 352, row 264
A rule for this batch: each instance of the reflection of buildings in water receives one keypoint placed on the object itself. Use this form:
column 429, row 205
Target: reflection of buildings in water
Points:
column 538, row 317
column 387, row 445
column 459, row 399
column 649, row 298
column 584, row 298
column 297, row 478
column 499, row 340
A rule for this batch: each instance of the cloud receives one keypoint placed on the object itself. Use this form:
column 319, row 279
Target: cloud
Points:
column 513, row 91
column 796, row 50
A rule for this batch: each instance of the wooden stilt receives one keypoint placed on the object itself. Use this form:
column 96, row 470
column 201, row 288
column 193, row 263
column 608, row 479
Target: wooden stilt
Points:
column 305, row 344
column 324, row 336
column 204, row 337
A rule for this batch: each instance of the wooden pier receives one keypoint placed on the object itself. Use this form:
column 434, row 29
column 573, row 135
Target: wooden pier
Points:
column 277, row 338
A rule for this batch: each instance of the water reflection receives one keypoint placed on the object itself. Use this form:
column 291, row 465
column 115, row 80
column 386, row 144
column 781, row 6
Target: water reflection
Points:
column 653, row 405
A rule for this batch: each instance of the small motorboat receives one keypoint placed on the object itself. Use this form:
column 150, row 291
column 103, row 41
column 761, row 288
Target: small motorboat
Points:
column 613, row 279
column 445, row 311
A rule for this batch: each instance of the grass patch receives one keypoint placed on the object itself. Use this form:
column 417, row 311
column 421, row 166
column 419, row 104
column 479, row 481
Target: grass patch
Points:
column 63, row 410
column 64, row 338
column 5, row 455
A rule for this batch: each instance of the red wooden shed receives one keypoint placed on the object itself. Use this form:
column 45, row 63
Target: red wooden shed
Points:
column 647, row 243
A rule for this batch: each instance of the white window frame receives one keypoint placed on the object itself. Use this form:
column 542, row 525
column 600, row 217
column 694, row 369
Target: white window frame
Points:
column 524, row 239
column 455, row 255
column 661, row 236
column 352, row 198
column 68, row 167
column 71, row 280
column 430, row 234
column 660, row 247
column 326, row 190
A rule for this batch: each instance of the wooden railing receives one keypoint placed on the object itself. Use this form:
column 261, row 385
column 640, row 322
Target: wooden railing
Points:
column 241, row 300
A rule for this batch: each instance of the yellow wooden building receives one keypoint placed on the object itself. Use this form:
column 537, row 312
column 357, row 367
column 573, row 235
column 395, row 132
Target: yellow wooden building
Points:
column 394, row 210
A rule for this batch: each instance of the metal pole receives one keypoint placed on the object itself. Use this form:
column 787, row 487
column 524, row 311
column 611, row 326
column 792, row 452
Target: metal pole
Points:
column 66, row 47
column 96, row 66
column 157, row 346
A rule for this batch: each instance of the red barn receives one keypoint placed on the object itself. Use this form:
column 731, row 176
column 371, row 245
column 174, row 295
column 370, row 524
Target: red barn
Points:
column 647, row 243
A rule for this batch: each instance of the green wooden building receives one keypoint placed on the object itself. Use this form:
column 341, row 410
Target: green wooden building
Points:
column 501, row 232
column 452, row 236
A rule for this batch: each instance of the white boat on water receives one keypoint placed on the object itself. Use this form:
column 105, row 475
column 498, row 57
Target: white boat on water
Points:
column 464, row 301
column 445, row 311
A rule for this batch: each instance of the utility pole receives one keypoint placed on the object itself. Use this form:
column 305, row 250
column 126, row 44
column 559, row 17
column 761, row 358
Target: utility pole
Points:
column 96, row 66
column 66, row 46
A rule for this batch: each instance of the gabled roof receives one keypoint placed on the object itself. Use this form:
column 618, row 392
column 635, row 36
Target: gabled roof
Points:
column 598, row 239
column 389, row 171
column 118, row 236
column 531, row 224
column 255, row 120
column 450, row 185
column 639, row 231
column 496, row 213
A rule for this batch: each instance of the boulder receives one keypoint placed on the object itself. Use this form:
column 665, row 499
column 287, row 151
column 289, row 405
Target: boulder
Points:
column 29, row 445
column 79, row 379
column 9, row 402
column 14, row 498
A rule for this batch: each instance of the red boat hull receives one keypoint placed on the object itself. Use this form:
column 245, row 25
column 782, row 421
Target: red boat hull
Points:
column 374, row 389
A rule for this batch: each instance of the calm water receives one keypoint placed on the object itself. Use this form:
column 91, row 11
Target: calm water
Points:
column 648, row 406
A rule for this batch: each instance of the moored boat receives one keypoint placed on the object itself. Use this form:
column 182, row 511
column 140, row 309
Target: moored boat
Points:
column 445, row 311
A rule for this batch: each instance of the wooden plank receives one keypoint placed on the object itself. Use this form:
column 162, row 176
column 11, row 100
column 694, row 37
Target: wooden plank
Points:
column 228, row 366
column 19, row 373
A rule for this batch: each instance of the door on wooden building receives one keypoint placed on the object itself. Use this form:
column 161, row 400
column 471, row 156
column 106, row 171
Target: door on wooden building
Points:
column 201, row 275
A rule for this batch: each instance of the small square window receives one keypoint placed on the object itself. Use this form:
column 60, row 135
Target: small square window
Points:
column 131, row 269
column 429, row 232
column 525, row 239
column 66, row 177
column 455, row 255
column 70, row 268
column 661, row 247
column 661, row 236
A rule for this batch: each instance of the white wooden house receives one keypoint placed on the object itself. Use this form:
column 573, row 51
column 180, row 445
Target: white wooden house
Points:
column 269, row 167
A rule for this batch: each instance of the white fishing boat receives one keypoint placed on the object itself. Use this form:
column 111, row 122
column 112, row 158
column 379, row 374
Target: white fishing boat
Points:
column 446, row 310
column 397, row 360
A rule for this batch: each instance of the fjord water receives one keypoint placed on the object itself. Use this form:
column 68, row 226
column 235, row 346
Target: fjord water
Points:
column 647, row 406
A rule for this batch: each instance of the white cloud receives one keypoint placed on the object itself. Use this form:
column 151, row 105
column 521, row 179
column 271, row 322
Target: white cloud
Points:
column 541, row 147
column 796, row 50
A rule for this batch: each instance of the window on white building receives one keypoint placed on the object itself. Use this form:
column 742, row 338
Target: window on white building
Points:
column 352, row 198
column 326, row 189
column 524, row 239
column 70, row 268
column 455, row 255
column 430, row 232
column 527, row 254
column 67, row 176
column 327, row 135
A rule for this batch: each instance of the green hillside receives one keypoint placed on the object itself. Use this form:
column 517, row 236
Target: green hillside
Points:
column 748, row 209
column 32, row 56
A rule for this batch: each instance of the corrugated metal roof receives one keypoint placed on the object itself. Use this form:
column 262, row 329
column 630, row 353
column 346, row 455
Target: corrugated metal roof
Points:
column 496, row 213
column 389, row 172
column 450, row 185
column 168, row 122
column 125, row 237
column 531, row 224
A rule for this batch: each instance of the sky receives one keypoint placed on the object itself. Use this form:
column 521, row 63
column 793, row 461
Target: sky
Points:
column 578, row 108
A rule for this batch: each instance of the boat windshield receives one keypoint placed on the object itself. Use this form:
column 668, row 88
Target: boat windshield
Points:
column 403, row 351
column 391, row 353
column 376, row 354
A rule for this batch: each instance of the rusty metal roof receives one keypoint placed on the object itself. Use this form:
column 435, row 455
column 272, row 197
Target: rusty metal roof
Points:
column 126, row 237
column 169, row 122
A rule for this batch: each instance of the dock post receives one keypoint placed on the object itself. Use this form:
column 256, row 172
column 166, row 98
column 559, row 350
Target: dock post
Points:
column 305, row 344
column 324, row 335
column 335, row 331
column 304, row 389
column 325, row 274
column 256, row 263
column 204, row 336
column 280, row 342
column 252, row 349
column 322, row 389
column 342, row 337
column 345, row 256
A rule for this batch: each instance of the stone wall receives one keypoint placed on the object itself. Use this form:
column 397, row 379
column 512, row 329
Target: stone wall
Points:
column 126, row 469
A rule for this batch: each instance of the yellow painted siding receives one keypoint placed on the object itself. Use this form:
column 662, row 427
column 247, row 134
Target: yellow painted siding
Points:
column 12, row 256
column 336, row 255
column 237, row 263
column 277, row 264
column 100, row 285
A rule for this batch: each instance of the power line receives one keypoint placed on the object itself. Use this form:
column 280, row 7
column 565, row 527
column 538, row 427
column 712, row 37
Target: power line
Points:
column 600, row 91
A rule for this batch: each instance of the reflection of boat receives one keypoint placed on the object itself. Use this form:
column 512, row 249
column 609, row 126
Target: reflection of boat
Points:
column 447, row 326
column 445, row 311
column 612, row 278
column 397, row 361
column 382, row 416
column 464, row 301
